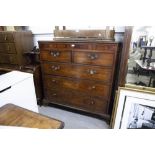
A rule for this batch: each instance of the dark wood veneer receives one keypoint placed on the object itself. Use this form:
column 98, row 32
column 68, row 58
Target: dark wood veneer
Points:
column 93, row 58
column 78, row 100
column 12, row 46
column 56, row 55
column 79, row 71
column 94, row 88
column 81, row 76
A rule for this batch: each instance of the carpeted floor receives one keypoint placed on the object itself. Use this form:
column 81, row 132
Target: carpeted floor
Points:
column 74, row 120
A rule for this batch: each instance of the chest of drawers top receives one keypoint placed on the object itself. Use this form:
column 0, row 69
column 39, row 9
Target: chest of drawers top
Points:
column 90, row 45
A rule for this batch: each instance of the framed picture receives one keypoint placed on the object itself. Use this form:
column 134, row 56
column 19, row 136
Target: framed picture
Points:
column 112, row 116
column 134, row 109
column 133, row 86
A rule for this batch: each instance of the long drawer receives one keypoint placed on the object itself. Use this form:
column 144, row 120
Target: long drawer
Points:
column 85, row 86
column 106, row 47
column 7, row 48
column 8, row 59
column 56, row 55
column 93, row 58
column 77, row 100
column 78, row 71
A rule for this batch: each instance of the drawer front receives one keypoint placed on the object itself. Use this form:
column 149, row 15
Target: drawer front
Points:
column 71, row 45
column 63, row 45
column 106, row 47
column 6, row 37
column 47, row 46
column 81, row 46
column 78, row 71
column 56, row 55
column 93, row 58
column 76, row 100
column 92, row 104
column 53, row 45
column 57, row 96
column 8, row 59
column 7, row 48
column 85, row 86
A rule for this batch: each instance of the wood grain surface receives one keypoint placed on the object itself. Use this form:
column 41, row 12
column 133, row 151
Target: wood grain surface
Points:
column 12, row 115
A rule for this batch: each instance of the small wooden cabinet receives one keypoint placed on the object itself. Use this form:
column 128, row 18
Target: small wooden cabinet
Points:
column 79, row 75
column 12, row 46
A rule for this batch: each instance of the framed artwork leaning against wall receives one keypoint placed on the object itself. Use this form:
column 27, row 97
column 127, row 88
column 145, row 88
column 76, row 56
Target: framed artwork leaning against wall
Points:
column 134, row 109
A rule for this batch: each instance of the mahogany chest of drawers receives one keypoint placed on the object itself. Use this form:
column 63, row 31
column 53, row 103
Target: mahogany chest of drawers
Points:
column 79, row 75
column 12, row 46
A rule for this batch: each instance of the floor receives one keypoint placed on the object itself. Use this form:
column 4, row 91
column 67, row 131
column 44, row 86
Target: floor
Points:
column 73, row 120
column 133, row 78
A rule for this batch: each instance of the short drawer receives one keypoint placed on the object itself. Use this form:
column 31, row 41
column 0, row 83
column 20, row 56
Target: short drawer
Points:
column 77, row 100
column 6, row 37
column 81, row 46
column 8, row 59
column 85, row 86
column 7, row 48
column 53, row 45
column 65, row 45
column 78, row 71
column 93, row 58
column 47, row 46
column 56, row 55
column 106, row 47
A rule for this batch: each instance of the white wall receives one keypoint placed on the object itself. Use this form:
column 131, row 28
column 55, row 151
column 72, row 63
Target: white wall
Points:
column 41, row 33
column 39, row 37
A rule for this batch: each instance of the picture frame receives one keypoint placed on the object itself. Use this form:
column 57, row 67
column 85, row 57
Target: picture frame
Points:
column 133, row 86
column 112, row 115
column 130, row 105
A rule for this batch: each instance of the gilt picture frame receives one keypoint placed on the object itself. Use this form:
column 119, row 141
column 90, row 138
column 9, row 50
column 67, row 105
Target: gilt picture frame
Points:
column 129, row 99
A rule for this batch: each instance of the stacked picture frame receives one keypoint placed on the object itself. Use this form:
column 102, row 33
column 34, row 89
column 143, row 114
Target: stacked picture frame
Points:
column 134, row 108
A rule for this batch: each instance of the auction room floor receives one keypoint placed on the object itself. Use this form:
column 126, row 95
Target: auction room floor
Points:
column 73, row 120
